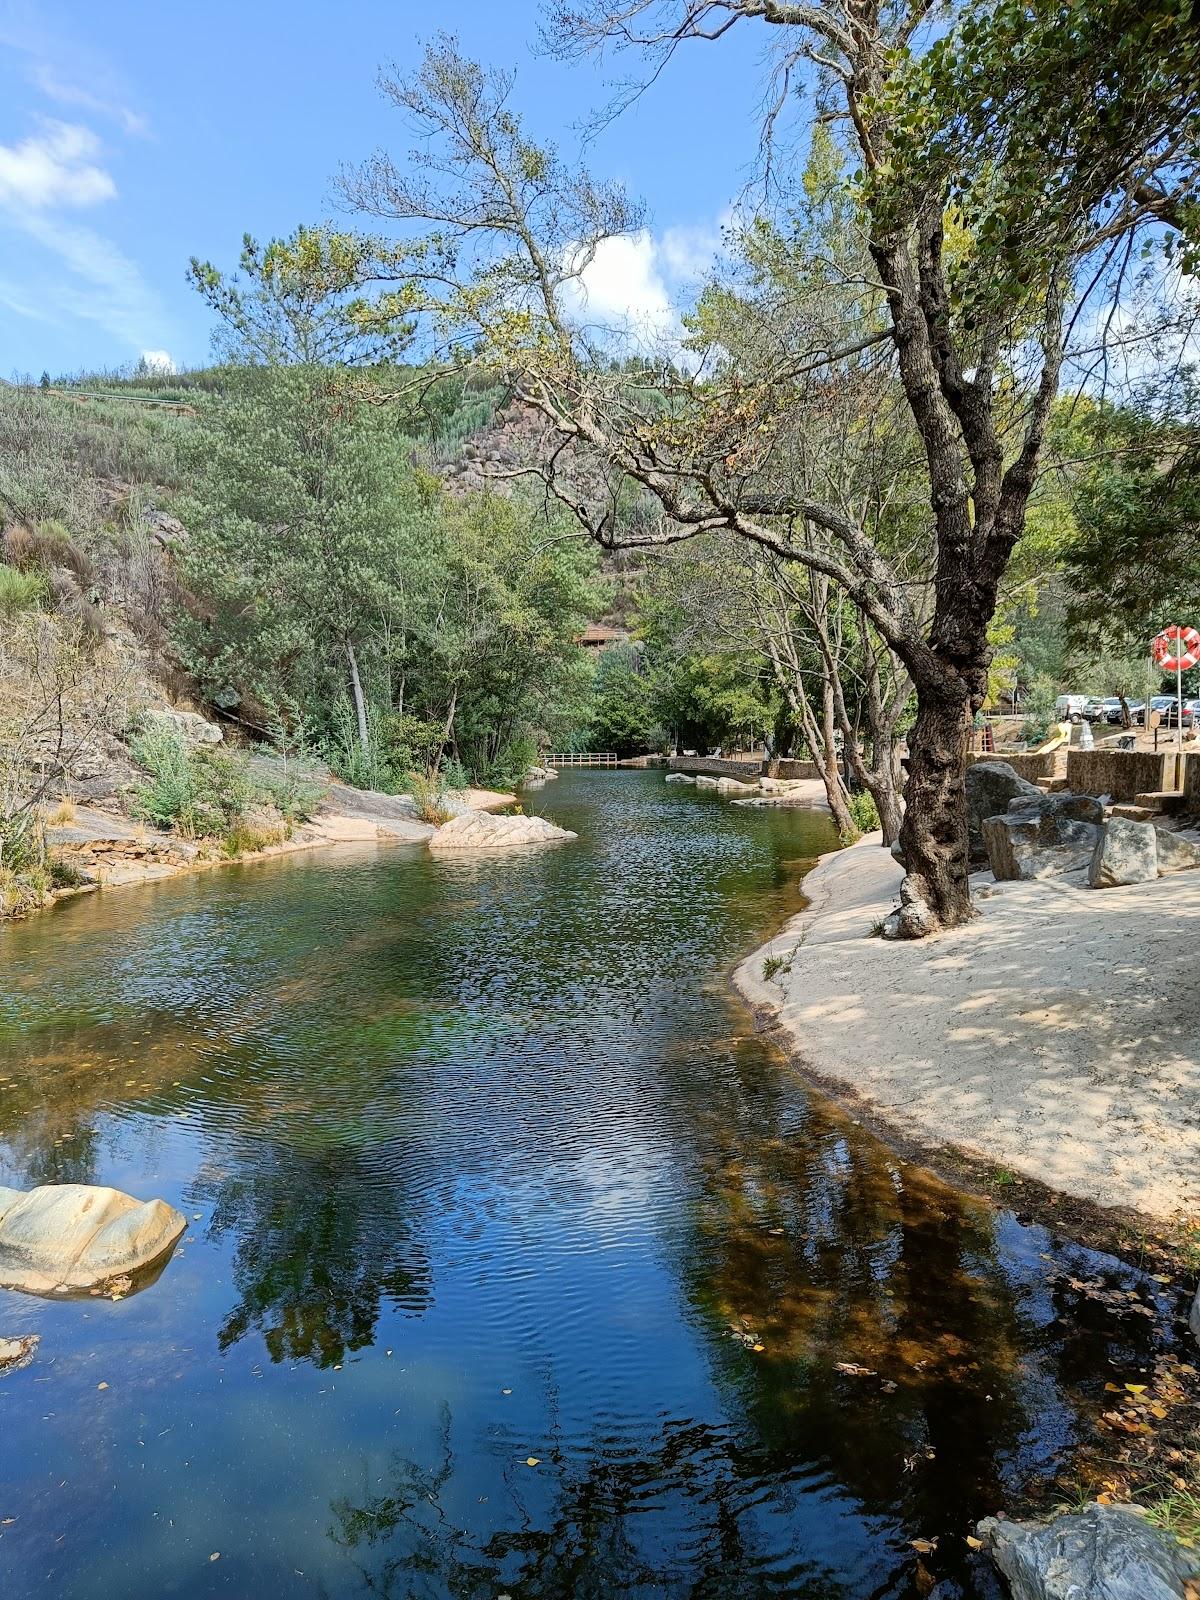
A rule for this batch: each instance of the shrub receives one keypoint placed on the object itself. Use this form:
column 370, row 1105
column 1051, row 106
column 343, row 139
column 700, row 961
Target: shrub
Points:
column 20, row 591
column 295, row 798
column 22, row 841
column 201, row 793
column 429, row 796
column 1039, row 711
column 864, row 811
column 455, row 775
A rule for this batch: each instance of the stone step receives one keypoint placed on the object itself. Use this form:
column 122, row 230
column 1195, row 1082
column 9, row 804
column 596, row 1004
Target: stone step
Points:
column 1162, row 800
column 1134, row 813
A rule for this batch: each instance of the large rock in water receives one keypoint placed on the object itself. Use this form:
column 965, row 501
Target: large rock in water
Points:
column 1100, row 1553
column 481, row 830
column 78, row 1235
column 991, row 787
column 1127, row 852
column 1044, row 837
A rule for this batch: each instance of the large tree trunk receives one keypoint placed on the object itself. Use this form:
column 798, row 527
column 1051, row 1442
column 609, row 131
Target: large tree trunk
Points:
column 933, row 835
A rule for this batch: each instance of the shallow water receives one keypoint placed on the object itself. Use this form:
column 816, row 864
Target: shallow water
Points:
column 516, row 1263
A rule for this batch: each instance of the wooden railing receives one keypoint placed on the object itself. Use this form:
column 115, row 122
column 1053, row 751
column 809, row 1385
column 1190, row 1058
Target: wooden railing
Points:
column 581, row 758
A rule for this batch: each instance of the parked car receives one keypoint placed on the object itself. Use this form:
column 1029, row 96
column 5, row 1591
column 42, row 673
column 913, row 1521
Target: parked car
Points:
column 1069, row 707
column 1162, row 703
column 1191, row 709
column 1094, row 708
column 1137, row 710
column 1110, row 709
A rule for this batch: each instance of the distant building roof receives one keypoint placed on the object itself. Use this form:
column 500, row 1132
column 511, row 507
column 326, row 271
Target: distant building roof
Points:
column 596, row 635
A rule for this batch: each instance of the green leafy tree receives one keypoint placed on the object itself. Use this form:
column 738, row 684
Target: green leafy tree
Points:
column 621, row 718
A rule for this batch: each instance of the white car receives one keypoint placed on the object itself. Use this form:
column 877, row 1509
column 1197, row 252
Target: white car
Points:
column 1069, row 707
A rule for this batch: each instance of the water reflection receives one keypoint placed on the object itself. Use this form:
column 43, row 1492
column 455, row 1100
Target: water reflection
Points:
column 483, row 1165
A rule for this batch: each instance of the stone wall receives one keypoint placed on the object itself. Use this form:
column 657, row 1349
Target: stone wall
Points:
column 1028, row 764
column 714, row 767
column 1124, row 774
column 798, row 769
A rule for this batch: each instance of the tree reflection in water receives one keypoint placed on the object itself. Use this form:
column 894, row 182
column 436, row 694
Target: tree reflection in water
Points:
column 320, row 1246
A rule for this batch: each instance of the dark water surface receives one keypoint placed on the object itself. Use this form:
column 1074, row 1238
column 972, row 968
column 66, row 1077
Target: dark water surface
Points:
column 494, row 1198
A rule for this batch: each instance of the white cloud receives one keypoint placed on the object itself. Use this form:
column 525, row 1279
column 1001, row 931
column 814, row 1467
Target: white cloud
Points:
column 71, row 94
column 621, row 290
column 43, row 178
column 689, row 251
column 54, row 168
column 159, row 361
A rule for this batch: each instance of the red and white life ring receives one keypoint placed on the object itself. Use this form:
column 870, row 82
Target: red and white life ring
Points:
column 1176, row 648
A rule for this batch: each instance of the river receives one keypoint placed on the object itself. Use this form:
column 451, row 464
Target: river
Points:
column 517, row 1264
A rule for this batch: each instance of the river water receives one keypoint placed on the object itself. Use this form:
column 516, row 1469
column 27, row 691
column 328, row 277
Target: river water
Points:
column 516, row 1263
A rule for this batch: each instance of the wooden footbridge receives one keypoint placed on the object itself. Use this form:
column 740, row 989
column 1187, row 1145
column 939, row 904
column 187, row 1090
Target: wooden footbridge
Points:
column 582, row 758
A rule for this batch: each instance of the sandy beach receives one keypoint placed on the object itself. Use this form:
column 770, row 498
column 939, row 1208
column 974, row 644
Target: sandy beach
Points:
column 1057, row 1036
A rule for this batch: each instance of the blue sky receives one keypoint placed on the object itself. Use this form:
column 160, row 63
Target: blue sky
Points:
column 136, row 134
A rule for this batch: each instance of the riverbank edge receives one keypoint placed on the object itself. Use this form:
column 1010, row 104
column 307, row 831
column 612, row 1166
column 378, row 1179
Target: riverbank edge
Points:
column 1137, row 1236
column 1138, row 1479
column 322, row 832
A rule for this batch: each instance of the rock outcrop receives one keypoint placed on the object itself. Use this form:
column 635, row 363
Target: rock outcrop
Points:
column 191, row 727
column 1044, row 836
column 75, row 1236
column 991, row 787
column 1099, row 1553
column 680, row 777
column 481, row 830
column 735, row 786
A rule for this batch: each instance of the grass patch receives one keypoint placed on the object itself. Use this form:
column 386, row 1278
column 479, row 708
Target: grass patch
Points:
column 20, row 591
column 772, row 966
column 244, row 839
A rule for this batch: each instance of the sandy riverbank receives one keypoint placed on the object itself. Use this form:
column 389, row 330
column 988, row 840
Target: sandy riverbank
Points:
column 1057, row 1036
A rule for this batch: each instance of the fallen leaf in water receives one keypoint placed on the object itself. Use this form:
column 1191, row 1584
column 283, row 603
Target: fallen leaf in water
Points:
column 853, row 1370
column 924, row 1547
column 973, row 1543
column 758, row 1347
column 216, row 1556
column 102, row 1386
column 533, row 1461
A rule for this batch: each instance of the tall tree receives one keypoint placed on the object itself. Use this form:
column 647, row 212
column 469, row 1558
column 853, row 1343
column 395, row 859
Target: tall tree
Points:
column 1010, row 159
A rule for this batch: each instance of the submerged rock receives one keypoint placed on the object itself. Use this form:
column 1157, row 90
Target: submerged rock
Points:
column 63, row 1236
column 18, row 1352
column 481, row 830
column 1127, row 852
column 1099, row 1553
column 679, row 777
